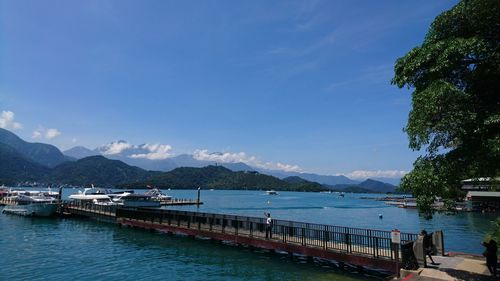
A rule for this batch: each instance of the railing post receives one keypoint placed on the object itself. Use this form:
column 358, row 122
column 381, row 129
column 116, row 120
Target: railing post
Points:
column 251, row 227
column 325, row 238
column 303, row 236
column 223, row 223
column 283, row 233
column 347, row 239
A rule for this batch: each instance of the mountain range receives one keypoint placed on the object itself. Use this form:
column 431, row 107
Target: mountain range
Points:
column 188, row 160
column 40, row 153
column 24, row 161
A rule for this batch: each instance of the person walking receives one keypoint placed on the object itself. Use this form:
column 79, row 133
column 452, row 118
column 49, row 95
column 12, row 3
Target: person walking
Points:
column 427, row 241
column 491, row 256
column 269, row 226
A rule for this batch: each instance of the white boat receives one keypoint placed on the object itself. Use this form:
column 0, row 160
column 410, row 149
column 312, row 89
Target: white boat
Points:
column 89, row 194
column 38, row 205
column 119, row 196
column 157, row 195
column 271, row 192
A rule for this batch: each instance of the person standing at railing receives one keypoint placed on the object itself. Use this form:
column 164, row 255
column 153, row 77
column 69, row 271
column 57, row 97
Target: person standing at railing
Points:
column 269, row 226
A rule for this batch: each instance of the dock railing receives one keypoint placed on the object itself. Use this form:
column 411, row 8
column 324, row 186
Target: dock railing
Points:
column 82, row 207
column 349, row 240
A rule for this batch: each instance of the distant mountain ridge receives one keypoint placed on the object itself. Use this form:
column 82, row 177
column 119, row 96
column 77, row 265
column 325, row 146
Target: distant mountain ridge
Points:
column 97, row 170
column 79, row 152
column 14, row 167
column 368, row 185
column 188, row 160
column 26, row 154
column 41, row 153
column 222, row 178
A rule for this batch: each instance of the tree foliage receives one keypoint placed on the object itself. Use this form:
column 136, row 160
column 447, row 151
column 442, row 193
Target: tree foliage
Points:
column 455, row 115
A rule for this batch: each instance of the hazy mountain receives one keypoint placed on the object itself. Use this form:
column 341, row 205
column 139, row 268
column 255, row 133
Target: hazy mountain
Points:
column 323, row 179
column 41, row 153
column 368, row 185
column 393, row 181
column 377, row 186
column 79, row 152
column 14, row 167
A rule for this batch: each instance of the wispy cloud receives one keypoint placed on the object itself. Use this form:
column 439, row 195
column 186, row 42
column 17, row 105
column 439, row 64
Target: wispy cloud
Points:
column 48, row 134
column 229, row 157
column 7, row 121
column 147, row 151
column 374, row 74
column 365, row 174
column 155, row 151
column 115, row 147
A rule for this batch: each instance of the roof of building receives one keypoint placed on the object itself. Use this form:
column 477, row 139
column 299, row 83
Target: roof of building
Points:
column 487, row 179
column 483, row 194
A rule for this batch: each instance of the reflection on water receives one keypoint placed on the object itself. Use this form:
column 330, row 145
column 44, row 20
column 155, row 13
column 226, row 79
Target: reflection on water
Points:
column 65, row 249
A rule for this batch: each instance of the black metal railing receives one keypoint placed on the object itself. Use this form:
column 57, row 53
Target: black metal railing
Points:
column 370, row 242
column 88, row 206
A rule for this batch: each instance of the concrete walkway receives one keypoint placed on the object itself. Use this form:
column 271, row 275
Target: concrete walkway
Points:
column 453, row 267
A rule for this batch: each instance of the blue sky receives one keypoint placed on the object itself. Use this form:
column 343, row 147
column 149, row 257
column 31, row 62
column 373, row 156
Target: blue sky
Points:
column 305, row 84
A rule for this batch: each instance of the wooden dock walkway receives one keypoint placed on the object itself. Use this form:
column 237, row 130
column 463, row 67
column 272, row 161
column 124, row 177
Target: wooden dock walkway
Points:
column 361, row 247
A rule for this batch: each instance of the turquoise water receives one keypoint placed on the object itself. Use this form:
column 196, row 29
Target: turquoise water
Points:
column 79, row 249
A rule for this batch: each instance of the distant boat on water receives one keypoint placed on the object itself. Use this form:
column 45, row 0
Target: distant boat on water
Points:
column 271, row 192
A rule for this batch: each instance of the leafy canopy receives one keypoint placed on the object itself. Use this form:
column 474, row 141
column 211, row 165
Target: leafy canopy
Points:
column 455, row 115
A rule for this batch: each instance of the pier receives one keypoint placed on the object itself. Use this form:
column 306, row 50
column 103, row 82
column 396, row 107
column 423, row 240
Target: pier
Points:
column 360, row 247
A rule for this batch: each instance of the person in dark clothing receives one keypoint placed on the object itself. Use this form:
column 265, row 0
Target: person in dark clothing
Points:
column 491, row 256
column 269, row 226
column 427, row 241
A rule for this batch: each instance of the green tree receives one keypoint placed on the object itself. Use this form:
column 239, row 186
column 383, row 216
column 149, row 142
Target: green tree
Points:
column 455, row 115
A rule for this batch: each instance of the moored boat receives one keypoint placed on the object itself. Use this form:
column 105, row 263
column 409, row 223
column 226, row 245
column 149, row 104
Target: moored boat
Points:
column 157, row 195
column 38, row 205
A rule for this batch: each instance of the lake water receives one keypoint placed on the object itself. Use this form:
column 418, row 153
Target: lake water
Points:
column 80, row 249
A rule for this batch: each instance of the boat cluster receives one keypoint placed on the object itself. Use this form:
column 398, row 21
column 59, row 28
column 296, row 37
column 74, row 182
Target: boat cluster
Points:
column 127, row 198
column 45, row 203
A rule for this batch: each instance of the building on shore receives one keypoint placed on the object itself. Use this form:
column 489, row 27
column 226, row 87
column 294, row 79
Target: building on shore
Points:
column 483, row 194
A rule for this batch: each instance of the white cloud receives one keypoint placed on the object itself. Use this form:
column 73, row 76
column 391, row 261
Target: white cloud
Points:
column 148, row 151
column 363, row 174
column 228, row 157
column 36, row 135
column 48, row 134
column 156, row 151
column 288, row 167
column 51, row 133
column 115, row 147
column 7, row 121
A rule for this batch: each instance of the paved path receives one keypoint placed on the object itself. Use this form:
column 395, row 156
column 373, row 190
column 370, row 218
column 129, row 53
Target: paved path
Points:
column 454, row 267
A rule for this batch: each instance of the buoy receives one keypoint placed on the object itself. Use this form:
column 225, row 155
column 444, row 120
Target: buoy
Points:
column 268, row 202
column 380, row 216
